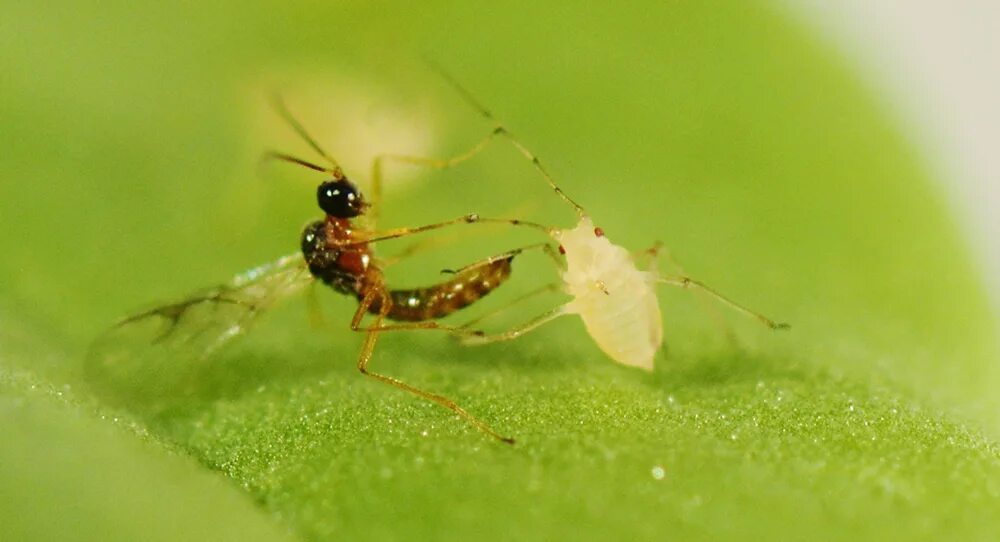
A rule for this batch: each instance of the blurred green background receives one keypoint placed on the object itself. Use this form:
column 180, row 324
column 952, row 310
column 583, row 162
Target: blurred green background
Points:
column 130, row 172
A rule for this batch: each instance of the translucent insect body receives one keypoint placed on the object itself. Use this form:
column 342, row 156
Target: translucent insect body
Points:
column 616, row 300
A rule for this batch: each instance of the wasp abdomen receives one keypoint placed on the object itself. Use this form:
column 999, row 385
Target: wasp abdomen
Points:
column 439, row 300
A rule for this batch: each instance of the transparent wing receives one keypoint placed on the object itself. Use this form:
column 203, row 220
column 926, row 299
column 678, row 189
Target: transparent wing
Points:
column 156, row 352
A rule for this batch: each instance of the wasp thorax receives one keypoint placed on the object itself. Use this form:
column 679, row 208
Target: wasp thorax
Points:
column 313, row 244
column 340, row 198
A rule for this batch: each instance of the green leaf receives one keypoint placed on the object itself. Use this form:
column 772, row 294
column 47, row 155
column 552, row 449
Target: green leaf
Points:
column 131, row 144
column 70, row 473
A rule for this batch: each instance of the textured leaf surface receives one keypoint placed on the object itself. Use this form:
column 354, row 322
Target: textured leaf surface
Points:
column 130, row 174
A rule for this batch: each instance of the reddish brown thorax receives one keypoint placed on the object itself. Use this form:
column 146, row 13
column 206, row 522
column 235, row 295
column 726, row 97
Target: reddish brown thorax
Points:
column 352, row 258
column 339, row 230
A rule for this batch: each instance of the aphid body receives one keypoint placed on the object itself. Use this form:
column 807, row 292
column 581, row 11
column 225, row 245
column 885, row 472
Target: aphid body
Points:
column 616, row 301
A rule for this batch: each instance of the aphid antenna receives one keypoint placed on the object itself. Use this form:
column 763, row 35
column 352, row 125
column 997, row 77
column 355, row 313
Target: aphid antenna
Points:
column 500, row 129
column 279, row 106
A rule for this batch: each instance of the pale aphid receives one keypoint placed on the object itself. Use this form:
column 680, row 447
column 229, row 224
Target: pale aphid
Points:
column 615, row 299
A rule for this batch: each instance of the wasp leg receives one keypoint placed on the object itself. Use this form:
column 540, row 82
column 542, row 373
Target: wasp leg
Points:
column 689, row 283
column 434, row 163
column 500, row 129
column 421, row 246
column 369, row 346
column 471, row 218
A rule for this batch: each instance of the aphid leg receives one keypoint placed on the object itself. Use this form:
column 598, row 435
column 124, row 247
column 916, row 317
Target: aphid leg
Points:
column 369, row 346
column 689, row 283
column 500, row 129
column 551, row 287
column 657, row 251
column 516, row 332
column 545, row 247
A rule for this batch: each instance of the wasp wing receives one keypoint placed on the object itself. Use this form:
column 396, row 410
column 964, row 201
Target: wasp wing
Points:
column 157, row 352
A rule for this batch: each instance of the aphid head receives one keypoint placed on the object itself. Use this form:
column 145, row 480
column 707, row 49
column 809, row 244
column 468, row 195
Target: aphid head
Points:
column 339, row 198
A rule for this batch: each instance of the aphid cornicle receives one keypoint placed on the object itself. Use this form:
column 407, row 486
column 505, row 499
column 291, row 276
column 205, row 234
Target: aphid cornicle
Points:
column 615, row 299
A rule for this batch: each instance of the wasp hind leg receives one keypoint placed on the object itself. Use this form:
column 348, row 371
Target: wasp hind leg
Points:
column 371, row 337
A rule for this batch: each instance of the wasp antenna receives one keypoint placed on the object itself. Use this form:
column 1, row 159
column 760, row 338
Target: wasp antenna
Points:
column 274, row 155
column 279, row 106
column 500, row 129
column 460, row 89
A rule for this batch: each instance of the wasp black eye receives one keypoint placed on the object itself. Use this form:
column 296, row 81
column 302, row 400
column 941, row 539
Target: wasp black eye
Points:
column 340, row 198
